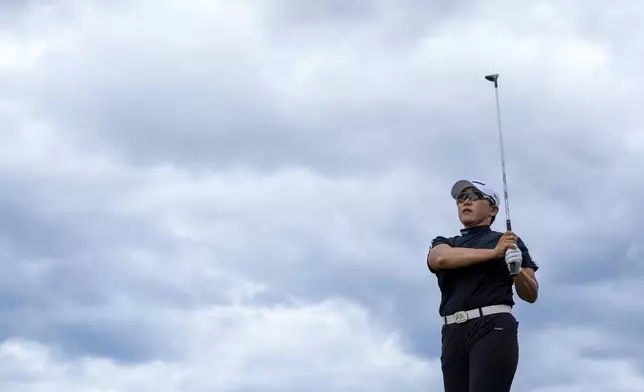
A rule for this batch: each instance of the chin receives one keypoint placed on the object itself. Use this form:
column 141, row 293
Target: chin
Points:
column 471, row 221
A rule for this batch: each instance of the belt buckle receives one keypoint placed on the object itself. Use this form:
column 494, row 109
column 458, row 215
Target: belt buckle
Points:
column 460, row 317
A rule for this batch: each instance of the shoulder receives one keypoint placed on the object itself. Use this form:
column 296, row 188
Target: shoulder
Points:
column 521, row 244
column 441, row 240
column 528, row 261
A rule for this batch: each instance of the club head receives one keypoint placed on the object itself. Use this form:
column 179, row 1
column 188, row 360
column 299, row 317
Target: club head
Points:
column 492, row 78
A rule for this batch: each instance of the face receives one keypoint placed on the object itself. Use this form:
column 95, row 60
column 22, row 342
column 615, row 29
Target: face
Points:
column 475, row 212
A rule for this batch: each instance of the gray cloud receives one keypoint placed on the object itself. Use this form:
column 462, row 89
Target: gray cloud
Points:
column 221, row 189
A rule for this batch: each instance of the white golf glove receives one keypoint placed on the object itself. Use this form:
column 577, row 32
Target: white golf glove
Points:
column 513, row 258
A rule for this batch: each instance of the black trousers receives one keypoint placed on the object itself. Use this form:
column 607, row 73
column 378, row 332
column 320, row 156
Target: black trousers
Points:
column 481, row 354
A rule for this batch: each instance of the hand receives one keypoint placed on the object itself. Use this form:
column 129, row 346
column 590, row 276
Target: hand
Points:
column 507, row 241
column 513, row 259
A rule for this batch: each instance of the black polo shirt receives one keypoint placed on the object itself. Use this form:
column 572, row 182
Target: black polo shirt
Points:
column 478, row 285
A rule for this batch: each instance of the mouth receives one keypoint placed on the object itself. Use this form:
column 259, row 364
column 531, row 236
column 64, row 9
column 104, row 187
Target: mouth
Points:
column 466, row 210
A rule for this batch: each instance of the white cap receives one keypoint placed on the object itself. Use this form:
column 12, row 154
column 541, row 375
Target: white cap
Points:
column 459, row 186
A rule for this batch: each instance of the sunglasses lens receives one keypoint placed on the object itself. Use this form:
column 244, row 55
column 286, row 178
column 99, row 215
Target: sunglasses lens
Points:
column 474, row 196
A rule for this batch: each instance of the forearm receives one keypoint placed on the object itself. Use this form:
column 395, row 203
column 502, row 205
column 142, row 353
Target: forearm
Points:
column 451, row 258
column 527, row 287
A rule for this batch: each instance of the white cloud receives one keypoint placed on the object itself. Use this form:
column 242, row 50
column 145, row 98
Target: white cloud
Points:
column 561, row 359
column 331, row 345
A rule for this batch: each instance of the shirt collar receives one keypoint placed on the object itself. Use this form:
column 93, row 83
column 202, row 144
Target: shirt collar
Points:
column 476, row 230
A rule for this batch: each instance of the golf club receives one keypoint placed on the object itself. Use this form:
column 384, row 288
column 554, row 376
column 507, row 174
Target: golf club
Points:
column 494, row 78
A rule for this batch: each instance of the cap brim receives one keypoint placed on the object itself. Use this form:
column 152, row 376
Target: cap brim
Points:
column 460, row 186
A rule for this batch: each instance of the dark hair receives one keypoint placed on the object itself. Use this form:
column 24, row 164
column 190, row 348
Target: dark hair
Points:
column 494, row 217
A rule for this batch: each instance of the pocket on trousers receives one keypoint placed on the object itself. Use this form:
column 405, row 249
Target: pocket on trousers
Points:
column 504, row 322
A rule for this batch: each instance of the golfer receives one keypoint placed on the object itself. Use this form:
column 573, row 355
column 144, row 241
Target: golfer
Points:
column 476, row 271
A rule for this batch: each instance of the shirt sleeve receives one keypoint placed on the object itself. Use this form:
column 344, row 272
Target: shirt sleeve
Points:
column 527, row 259
column 439, row 241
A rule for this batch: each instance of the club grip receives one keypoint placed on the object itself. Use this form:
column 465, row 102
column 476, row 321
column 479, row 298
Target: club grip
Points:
column 508, row 225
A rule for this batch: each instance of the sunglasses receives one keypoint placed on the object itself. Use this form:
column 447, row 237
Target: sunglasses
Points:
column 474, row 196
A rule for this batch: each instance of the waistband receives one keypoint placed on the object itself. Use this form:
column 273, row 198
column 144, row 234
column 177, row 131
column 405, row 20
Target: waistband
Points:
column 464, row 315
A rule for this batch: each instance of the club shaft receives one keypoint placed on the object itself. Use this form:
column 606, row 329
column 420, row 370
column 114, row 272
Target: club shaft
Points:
column 505, row 182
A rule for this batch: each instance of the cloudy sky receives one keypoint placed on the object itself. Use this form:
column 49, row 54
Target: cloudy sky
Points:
column 239, row 195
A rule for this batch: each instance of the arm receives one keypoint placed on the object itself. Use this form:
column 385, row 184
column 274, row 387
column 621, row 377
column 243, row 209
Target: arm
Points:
column 526, row 282
column 527, row 285
column 443, row 256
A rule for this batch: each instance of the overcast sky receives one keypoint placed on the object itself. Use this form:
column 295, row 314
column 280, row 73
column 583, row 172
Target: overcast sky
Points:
column 239, row 196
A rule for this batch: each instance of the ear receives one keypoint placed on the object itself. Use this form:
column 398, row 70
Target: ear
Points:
column 494, row 210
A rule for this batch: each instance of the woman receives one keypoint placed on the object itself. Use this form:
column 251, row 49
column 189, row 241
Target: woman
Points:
column 476, row 271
